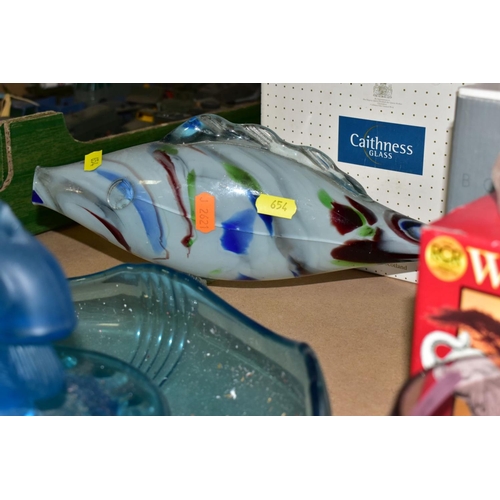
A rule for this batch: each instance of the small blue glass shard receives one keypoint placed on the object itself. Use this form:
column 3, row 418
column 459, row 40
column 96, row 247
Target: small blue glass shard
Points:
column 238, row 231
column 35, row 198
column 242, row 277
column 267, row 219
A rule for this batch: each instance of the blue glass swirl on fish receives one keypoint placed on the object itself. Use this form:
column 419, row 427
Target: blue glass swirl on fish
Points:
column 238, row 231
column 145, row 207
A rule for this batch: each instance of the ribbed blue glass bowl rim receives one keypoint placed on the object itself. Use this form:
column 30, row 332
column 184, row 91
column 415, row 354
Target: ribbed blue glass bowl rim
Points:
column 94, row 357
column 317, row 387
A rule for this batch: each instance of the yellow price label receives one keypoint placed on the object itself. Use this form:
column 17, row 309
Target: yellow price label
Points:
column 92, row 160
column 145, row 118
column 276, row 206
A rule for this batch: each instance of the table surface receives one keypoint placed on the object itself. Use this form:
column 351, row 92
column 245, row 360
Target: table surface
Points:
column 359, row 324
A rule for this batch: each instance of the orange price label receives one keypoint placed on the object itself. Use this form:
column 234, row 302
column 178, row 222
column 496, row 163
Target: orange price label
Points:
column 204, row 207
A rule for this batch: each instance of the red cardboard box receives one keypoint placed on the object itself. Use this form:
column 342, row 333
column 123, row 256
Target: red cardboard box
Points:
column 457, row 311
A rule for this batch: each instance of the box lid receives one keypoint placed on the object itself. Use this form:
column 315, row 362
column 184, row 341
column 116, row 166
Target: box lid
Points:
column 480, row 217
column 489, row 91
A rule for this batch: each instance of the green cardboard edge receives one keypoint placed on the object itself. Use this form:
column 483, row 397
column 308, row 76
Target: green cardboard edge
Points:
column 43, row 139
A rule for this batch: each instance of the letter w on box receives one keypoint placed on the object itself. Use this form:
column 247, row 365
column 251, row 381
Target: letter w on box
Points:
column 390, row 146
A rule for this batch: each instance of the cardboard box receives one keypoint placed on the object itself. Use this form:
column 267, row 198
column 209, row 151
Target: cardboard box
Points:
column 353, row 123
column 43, row 139
column 476, row 143
column 457, row 309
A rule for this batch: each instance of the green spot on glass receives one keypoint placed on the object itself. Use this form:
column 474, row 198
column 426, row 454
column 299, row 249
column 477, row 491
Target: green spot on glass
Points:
column 366, row 231
column 191, row 182
column 325, row 198
column 241, row 177
column 168, row 149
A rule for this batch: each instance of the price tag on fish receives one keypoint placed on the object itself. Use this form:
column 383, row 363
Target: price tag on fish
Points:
column 92, row 160
column 204, row 207
column 276, row 206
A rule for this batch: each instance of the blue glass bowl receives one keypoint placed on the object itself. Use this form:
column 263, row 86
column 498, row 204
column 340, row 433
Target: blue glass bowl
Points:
column 96, row 385
column 206, row 357
column 99, row 385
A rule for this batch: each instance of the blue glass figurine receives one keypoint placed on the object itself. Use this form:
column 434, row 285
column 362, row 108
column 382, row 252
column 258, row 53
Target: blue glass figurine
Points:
column 36, row 309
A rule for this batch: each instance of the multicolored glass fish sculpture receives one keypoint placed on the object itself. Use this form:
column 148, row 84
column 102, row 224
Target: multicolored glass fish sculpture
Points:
column 148, row 200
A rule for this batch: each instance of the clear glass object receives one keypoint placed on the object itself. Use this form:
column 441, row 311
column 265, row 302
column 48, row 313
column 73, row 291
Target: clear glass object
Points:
column 206, row 357
column 144, row 199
